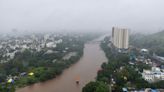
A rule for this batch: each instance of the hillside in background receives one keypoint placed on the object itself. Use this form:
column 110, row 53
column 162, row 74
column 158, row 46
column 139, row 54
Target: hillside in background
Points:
column 153, row 42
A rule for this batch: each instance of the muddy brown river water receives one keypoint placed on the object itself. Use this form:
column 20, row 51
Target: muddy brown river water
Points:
column 86, row 68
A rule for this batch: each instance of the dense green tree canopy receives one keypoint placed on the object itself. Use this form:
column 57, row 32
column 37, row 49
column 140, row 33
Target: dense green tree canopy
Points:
column 96, row 87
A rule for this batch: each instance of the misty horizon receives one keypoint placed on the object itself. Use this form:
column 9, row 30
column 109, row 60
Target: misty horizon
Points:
column 82, row 15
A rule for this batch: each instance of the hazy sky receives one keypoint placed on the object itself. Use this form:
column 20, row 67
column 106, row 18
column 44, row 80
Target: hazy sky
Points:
column 80, row 15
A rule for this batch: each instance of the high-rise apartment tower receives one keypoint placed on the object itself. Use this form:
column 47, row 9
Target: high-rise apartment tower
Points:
column 120, row 38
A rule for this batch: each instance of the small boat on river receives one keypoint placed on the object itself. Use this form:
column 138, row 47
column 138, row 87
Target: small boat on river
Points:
column 77, row 79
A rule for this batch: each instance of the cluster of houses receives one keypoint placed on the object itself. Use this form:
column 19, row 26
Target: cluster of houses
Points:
column 153, row 75
column 10, row 46
column 11, row 79
column 156, row 73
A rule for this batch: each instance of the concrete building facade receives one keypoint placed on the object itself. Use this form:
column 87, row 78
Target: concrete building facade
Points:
column 120, row 38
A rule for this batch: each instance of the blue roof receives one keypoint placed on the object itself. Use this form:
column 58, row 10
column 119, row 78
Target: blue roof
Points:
column 154, row 90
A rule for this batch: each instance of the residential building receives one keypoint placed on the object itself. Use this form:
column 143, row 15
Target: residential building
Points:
column 120, row 38
column 153, row 75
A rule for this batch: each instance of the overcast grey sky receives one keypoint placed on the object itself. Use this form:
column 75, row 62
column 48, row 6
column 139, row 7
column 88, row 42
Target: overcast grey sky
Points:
column 88, row 15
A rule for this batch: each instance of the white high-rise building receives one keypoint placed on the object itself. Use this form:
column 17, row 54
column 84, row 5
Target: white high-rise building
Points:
column 120, row 38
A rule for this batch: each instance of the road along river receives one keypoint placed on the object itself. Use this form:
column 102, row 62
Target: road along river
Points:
column 86, row 68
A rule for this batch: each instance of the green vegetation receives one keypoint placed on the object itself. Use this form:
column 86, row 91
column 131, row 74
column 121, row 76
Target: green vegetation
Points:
column 153, row 42
column 124, row 74
column 7, row 88
column 118, row 73
column 96, row 87
column 43, row 66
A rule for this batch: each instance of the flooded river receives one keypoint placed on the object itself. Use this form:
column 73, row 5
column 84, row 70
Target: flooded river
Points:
column 86, row 68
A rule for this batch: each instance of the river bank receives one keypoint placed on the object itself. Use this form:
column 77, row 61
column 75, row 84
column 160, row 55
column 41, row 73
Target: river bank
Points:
column 86, row 68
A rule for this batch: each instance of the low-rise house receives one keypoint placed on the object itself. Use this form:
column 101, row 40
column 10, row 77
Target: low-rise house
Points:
column 51, row 45
column 153, row 75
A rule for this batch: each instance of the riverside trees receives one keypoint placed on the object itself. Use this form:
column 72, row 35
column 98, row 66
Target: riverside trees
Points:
column 96, row 87
column 118, row 73
column 43, row 64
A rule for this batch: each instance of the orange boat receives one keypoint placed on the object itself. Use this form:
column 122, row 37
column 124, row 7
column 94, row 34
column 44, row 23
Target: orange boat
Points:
column 77, row 80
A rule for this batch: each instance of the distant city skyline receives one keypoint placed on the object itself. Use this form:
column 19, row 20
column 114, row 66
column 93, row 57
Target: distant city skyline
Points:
column 81, row 15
